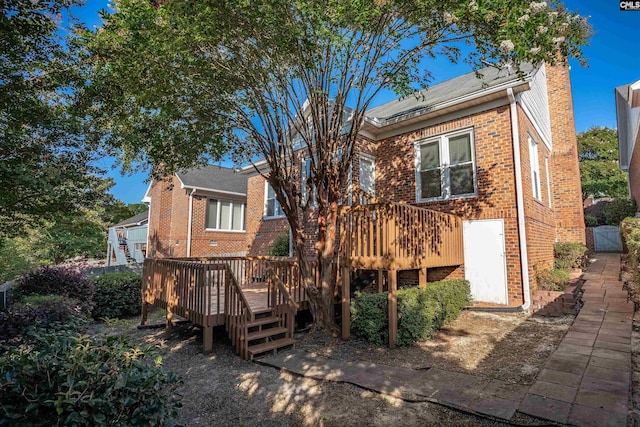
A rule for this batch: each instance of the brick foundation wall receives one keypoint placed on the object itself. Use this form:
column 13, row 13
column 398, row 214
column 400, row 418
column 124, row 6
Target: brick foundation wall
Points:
column 565, row 175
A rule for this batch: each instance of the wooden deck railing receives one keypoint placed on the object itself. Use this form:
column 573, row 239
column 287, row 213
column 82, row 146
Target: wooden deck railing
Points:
column 189, row 289
column 281, row 302
column 394, row 236
column 252, row 271
column 238, row 314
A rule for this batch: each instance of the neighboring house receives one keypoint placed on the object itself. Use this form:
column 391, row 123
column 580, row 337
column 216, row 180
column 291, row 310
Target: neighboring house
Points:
column 628, row 117
column 500, row 152
column 196, row 213
column 127, row 240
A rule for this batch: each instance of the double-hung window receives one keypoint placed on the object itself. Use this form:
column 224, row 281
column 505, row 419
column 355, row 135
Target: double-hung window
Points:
column 446, row 167
column 305, row 173
column 535, row 168
column 272, row 208
column 225, row 215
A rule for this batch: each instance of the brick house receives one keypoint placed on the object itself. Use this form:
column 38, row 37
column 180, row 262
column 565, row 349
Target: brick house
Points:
column 198, row 212
column 499, row 152
column 628, row 118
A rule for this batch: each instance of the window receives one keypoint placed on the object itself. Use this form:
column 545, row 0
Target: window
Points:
column 546, row 167
column 535, row 168
column 272, row 207
column 446, row 167
column 367, row 177
column 225, row 215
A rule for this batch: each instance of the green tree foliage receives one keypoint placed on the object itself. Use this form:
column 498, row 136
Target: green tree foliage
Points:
column 45, row 164
column 171, row 88
column 600, row 173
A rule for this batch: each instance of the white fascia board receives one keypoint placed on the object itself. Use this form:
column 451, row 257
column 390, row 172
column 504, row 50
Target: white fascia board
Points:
column 147, row 194
column 212, row 190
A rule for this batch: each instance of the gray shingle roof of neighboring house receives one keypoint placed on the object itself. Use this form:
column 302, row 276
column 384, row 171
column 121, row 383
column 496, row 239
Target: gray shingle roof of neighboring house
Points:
column 214, row 178
column 448, row 90
column 134, row 220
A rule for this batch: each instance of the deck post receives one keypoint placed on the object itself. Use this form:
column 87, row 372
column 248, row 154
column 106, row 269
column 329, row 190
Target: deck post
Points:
column 422, row 278
column 207, row 338
column 380, row 280
column 346, row 303
column 144, row 313
column 393, row 307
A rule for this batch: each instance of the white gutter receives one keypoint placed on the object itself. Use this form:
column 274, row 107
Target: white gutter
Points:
column 524, row 259
column 189, row 222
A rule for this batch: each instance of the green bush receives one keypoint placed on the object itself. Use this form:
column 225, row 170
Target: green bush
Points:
column 280, row 246
column 117, row 295
column 630, row 229
column 552, row 280
column 66, row 379
column 56, row 281
column 618, row 210
column 569, row 255
column 590, row 221
column 420, row 311
column 39, row 312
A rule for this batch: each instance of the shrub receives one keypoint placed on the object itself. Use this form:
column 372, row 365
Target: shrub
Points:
column 552, row 279
column 56, row 281
column 590, row 221
column 39, row 312
column 280, row 246
column 420, row 311
column 630, row 229
column 569, row 255
column 65, row 379
column 618, row 210
column 117, row 295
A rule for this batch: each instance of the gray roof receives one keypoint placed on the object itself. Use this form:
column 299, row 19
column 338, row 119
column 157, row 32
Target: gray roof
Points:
column 214, row 178
column 134, row 220
column 448, row 90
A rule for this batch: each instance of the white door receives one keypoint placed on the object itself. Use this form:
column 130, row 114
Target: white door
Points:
column 485, row 261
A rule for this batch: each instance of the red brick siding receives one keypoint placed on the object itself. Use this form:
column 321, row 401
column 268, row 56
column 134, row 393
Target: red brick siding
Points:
column 205, row 242
column 395, row 173
column 261, row 232
column 565, row 175
column 539, row 216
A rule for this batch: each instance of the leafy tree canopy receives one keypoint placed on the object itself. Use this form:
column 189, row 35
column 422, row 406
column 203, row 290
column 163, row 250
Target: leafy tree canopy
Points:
column 177, row 83
column 45, row 162
column 600, row 173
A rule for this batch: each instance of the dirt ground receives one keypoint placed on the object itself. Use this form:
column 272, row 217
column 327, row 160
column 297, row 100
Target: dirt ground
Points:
column 220, row 389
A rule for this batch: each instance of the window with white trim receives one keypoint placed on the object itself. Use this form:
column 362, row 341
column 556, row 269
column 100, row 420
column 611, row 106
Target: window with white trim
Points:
column 546, row 168
column 368, row 175
column 446, row 167
column 272, row 208
column 535, row 168
column 305, row 172
column 225, row 215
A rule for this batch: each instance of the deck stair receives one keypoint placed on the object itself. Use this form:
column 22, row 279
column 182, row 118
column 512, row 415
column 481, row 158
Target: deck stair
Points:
column 258, row 331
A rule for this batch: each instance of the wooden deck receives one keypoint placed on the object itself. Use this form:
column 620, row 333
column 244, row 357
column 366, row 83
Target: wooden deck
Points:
column 257, row 296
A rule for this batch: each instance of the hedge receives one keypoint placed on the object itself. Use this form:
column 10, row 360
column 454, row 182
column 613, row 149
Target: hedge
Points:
column 553, row 280
column 420, row 311
column 62, row 281
column 569, row 255
column 630, row 229
column 117, row 295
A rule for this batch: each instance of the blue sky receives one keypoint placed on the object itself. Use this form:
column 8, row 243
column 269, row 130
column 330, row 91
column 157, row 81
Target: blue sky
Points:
column 612, row 55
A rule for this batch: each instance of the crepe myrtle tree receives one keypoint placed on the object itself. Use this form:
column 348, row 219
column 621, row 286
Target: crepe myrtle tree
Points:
column 179, row 83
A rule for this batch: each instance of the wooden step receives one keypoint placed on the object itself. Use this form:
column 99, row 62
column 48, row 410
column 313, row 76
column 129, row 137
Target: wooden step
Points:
column 270, row 345
column 266, row 333
column 262, row 310
column 263, row 321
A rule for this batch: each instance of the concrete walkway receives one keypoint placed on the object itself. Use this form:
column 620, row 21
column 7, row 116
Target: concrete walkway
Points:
column 585, row 382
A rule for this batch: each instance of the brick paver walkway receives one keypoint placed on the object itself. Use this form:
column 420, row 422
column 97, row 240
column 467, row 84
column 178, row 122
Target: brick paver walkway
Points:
column 587, row 380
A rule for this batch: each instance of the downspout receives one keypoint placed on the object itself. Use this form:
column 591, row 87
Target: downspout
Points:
column 524, row 259
column 189, row 223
